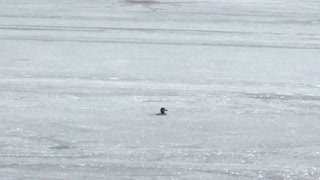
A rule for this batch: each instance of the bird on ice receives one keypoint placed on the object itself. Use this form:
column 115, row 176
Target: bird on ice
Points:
column 162, row 111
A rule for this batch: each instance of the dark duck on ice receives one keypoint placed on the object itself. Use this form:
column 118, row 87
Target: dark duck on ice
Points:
column 162, row 111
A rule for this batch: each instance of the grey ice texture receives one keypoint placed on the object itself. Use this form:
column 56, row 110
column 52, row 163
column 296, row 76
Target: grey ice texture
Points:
column 82, row 80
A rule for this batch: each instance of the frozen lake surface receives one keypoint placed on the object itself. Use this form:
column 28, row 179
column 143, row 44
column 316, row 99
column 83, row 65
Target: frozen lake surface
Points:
column 81, row 80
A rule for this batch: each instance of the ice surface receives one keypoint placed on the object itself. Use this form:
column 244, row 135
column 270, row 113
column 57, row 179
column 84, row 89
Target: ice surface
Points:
column 82, row 80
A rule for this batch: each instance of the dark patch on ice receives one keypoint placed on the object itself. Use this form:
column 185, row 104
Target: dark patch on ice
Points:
column 145, row 2
column 173, row 43
column 138, row 29
column 60, row 147
column 149, row 4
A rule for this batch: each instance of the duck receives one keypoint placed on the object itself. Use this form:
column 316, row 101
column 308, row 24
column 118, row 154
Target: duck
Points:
column 162, row 111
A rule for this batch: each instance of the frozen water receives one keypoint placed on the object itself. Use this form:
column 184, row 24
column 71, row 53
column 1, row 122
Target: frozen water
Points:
column 81, row 82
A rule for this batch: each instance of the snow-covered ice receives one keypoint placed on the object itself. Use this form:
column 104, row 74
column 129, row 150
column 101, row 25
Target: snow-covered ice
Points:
column 82, row 80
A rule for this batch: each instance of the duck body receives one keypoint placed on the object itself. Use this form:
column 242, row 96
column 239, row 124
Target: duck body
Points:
column 162, row 112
